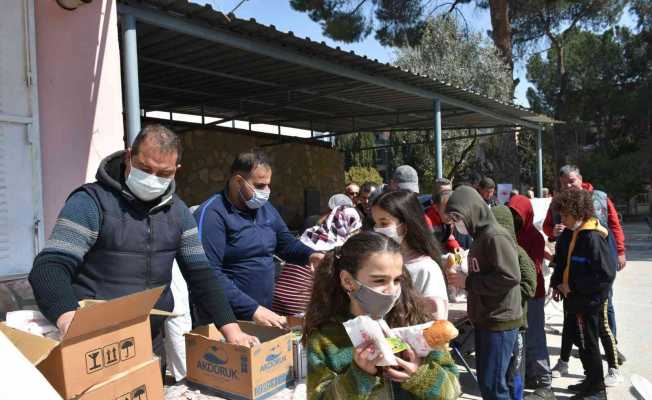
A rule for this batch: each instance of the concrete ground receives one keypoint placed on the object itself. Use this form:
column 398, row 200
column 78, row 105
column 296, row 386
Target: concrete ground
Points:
column 633, row 304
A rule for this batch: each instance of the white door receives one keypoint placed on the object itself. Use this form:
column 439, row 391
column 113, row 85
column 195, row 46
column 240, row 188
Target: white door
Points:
column 20, row 167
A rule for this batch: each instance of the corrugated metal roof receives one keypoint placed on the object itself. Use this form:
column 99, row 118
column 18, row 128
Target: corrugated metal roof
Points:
column 181, row 72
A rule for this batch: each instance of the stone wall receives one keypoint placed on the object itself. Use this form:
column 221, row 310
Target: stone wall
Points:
column 297, row 164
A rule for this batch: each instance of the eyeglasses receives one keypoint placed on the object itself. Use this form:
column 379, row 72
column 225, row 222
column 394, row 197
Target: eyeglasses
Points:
column 353, row 193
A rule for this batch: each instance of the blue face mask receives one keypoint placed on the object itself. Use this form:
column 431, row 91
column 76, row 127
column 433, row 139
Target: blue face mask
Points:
column 260, row 197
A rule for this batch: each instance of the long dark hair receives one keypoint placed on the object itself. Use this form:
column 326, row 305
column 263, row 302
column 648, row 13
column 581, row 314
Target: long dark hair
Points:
column 329, row 300
column 405, row 207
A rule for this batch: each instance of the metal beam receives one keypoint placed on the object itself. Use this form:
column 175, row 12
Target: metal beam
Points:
column 439, row 164
column 539, row 162
column 130, row 58
column 181, row 25
column 375, row 128
column 410, row 113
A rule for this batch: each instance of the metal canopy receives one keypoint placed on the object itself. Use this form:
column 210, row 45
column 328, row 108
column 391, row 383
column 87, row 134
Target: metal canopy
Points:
column 195, row 60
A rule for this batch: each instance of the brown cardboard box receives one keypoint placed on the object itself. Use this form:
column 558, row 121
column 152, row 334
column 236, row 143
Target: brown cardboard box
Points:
column 238, row 372
column 142, row 382
column 102, row 341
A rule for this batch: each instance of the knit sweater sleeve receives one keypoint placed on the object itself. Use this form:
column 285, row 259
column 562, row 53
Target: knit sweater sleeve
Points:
column 203, row 284
column 324, row 383
column 437, row 378
column 54, row 268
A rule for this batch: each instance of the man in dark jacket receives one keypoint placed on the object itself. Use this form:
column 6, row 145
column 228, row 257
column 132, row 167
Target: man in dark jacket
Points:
column 120, row 235
column 493, row 286
column 584, row 272
column 241, row 231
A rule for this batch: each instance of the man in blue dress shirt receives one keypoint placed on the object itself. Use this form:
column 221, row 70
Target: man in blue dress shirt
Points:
column 240, row 231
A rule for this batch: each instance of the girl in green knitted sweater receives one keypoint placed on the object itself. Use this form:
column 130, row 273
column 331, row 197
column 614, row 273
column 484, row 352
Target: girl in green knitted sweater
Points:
column 366, row 276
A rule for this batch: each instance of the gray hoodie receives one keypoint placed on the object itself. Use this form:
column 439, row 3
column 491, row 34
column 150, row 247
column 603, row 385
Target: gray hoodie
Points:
column 494, row 297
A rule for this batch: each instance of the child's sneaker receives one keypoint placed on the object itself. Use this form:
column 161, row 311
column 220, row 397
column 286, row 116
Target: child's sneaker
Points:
column 613, row 378
column 561, row 369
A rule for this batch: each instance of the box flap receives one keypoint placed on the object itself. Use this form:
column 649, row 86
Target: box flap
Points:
column 20, row 379
column 99, row 316
column 154, row 311
column 34, row 348
column 263, row 333
column 207, row 331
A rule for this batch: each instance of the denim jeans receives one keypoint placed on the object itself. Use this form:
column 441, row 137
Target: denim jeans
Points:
column 493, row 352
column 516, row 371
column 537, row 359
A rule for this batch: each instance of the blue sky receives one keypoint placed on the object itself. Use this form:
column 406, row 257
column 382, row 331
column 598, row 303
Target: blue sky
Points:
column 284, row 18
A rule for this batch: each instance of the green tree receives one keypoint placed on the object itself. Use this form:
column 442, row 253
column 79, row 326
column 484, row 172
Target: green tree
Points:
column 553, row 23
column 361, row 175
column 351, row 145
column 396, row 22
column 606, row 105
column 453, row 54
column 399, row 22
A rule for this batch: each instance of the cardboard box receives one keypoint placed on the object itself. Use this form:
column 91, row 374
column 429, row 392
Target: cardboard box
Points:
column 238, row 372
column 103, row 340
column 142, row 382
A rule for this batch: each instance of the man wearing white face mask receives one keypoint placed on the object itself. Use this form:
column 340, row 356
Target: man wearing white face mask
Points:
column 121, row 234
column 241, row 231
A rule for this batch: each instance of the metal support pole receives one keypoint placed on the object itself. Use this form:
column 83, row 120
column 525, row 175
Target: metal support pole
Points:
column 203, row 116
column 130, row 57
column 539, row 162
column 439, row 165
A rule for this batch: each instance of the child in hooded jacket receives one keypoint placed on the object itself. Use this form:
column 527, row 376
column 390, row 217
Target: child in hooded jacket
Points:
column 583, row 275
column 493, row 287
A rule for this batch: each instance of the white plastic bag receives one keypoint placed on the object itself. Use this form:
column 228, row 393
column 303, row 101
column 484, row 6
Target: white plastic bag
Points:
column 33, row 322
column 175, row 327
column 457, row 295
column 413, row 335
column 363, row 329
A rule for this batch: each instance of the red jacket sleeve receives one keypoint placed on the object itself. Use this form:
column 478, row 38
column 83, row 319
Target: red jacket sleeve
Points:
column 616, row 228
column 548, row 224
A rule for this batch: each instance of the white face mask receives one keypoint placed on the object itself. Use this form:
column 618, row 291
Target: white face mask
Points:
column 391, row 232
column 146, row 186
column 460, row 226
column 260, row 197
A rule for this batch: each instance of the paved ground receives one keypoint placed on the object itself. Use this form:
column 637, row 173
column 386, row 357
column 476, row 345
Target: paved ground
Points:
column 633, row 302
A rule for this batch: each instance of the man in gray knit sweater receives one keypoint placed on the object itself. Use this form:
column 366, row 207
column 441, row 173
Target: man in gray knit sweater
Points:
column 120, row 235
